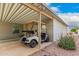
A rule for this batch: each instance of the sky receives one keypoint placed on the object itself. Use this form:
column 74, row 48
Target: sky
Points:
column 68, row 12
column 65, row 7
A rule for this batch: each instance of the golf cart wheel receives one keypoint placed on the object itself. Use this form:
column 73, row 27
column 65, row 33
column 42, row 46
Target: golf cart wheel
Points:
column 23, row 40
column 33, row 43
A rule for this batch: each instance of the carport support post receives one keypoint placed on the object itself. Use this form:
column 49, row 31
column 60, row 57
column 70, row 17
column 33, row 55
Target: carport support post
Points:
column 39, row 30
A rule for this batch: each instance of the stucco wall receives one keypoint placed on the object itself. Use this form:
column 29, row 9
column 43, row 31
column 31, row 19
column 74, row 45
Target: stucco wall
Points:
column 58, row 29
column 6, row 30
column 49, row 26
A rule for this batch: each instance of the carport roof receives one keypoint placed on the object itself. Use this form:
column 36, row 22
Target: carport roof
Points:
column 23, row 12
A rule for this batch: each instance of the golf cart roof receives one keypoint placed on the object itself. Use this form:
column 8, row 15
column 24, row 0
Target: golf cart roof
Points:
column 28, row 31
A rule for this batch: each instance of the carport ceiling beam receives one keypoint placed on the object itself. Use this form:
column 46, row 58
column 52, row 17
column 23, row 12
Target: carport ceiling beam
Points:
column 37, row 10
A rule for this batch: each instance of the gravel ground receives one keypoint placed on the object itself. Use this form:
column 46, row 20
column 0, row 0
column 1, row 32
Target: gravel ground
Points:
column 54, row 50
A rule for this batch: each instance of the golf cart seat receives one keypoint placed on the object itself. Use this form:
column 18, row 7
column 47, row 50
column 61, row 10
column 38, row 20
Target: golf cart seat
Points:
column 43, row 35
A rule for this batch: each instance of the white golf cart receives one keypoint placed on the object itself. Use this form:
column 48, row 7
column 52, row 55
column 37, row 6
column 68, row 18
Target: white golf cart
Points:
column 32, row 40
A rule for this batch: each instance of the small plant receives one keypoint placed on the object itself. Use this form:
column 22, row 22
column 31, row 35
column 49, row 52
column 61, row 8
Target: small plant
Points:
column 67, row 42
column 74, row 30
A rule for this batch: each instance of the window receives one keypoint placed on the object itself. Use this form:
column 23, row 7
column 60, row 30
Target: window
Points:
column 17, row 28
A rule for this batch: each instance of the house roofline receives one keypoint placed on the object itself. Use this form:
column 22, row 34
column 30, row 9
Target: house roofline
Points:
column 55, row 15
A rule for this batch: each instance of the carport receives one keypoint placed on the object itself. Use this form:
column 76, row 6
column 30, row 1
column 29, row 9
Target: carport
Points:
column 23, row 13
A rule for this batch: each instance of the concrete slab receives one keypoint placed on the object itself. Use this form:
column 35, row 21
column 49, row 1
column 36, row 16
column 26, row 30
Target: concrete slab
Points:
column 15, row 48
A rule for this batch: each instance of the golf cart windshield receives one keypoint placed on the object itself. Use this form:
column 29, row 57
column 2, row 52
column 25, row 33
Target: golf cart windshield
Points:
column 28, row 33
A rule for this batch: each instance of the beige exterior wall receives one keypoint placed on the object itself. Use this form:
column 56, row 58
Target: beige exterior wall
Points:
column 6, row 30
column 58, row 29
column 49, row 26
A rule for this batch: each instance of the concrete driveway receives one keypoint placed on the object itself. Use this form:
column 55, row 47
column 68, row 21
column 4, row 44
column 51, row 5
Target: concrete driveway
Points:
column 16, row 48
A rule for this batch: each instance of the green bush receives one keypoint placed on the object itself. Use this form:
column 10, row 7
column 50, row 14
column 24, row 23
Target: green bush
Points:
column 67, row 42
column 73, row 30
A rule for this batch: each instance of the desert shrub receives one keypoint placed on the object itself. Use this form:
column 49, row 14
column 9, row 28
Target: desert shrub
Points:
column 67, row 42
column 73, row 30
